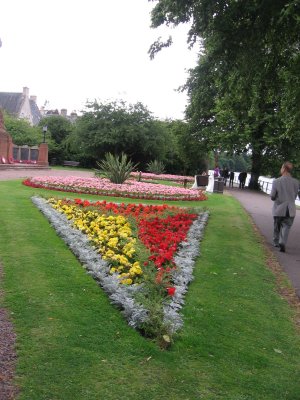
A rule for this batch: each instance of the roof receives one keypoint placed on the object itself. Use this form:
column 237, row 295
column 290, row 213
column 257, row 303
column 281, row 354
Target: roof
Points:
column 11, row 102
column 36, row 114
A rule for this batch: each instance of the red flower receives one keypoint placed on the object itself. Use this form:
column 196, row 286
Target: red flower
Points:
column 161, row 228
column 171, row 291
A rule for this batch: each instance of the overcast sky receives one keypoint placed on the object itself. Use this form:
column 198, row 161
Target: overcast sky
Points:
column 70, row 51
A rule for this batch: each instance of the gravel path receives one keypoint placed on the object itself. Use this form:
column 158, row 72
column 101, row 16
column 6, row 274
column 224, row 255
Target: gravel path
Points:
column 8, row 174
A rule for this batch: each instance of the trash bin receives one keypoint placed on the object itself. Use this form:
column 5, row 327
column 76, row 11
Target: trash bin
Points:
column 218, row 185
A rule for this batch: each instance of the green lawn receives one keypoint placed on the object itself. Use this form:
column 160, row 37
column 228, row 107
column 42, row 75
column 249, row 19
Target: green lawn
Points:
column 239, row 341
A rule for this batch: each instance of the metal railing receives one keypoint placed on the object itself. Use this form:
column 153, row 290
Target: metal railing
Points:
column 266, row 187
column 264, row 183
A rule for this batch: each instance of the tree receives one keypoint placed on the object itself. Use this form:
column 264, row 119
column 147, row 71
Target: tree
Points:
column 117, row 127
column 59, row 128
column 188, row 154
column 241, row 97
column 22, row 132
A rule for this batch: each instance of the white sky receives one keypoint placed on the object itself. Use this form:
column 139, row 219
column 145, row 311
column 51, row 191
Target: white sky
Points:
column 71, row 51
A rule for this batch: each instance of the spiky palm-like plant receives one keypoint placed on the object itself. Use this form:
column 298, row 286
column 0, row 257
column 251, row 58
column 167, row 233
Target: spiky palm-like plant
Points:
column 156, row 167
column 115, row 168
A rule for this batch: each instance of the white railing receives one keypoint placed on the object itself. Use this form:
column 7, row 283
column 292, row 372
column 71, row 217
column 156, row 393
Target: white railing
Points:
column 264, row 182
column 266, row 186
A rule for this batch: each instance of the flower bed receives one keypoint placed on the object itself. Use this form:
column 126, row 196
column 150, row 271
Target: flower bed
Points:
column 133, row 250
column 165, row 177
column 103, row 187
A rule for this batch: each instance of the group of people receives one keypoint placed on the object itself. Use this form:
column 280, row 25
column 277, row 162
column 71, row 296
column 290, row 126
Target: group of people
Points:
column 226, row 174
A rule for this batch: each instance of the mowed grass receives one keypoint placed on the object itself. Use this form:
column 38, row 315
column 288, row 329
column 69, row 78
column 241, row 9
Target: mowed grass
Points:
column 239, row 341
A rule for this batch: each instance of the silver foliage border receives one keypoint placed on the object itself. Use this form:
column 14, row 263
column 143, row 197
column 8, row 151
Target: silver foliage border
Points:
column 122, row 295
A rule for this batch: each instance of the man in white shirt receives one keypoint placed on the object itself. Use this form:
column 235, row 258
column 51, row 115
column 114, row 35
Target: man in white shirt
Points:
column 284, row 193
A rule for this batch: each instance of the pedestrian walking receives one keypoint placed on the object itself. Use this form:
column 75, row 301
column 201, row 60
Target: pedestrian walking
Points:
column 231, row 178
column 284, row 193
column 225, row 175
column 242, row 179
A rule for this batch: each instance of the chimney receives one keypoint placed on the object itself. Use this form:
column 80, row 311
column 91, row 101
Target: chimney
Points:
column 33, row 98
column 63, row 112
column 73, row 116
column 26, row 91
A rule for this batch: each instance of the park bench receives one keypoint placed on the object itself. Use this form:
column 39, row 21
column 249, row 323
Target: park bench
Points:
column 71, row 163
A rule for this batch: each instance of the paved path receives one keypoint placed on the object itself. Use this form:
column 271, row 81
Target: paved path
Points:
column 6, row 174
column 258, row 205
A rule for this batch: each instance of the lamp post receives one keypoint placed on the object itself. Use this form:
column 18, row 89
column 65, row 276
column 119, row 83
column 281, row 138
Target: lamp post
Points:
column 45, row 128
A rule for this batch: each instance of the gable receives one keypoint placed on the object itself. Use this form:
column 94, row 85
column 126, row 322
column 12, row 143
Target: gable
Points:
column 11, row 102
column 21, row 106
column 35, row 112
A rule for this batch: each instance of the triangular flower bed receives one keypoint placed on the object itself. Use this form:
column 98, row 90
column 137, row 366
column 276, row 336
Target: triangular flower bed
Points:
column 141, row 255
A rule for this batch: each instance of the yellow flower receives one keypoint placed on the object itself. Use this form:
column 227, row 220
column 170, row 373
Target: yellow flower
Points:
column 126, row 281
column 113, row 242
column 110, row 235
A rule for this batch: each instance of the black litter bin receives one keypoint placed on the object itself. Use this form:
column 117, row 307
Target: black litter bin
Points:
column 219, row 185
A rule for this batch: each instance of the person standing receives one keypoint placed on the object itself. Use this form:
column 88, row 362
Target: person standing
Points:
column 225, row 175
column 216, row 171
column 231, row 178
column 284, row 193
column 242, row 179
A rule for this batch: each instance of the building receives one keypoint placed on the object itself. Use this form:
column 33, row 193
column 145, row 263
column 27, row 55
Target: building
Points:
column 21, row 105
column 63, row 113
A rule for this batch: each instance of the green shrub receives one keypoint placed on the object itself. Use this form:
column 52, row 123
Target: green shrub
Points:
column 156, row 167
column 115, row 168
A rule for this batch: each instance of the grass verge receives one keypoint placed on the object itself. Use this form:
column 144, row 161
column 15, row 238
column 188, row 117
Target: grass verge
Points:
column 239, row 341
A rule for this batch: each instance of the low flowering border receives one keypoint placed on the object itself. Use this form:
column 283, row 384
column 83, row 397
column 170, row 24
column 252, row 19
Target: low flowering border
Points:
column 109, row 233
column 103, row 187
column 123, row 296
column 120, row 295
column 165, row 177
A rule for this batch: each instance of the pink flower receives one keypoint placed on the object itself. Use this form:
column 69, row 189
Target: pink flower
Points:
column 129, row 188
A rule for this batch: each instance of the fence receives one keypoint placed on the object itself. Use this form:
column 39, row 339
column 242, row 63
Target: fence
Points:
column 266, row 186
column 264, row 183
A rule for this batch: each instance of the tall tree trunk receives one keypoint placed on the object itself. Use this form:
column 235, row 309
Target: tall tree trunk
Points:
column 256, row 169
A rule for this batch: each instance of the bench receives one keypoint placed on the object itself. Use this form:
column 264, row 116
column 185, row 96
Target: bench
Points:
column 71, row 163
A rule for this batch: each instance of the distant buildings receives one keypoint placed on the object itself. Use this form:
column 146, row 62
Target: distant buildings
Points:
column 21, row 105
column 63, row 112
